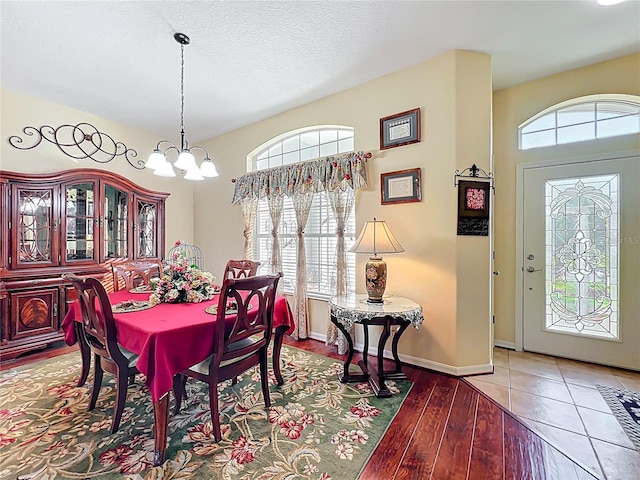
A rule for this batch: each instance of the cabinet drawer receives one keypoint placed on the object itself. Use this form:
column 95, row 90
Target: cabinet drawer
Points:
column 34, row 312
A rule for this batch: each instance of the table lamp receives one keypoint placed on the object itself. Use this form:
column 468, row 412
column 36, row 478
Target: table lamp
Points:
column 376, row 238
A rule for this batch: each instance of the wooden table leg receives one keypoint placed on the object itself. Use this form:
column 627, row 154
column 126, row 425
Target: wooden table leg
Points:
column 346, row 376
column 277, row 347
column 85, row 353
column 397, row 374
column 161, row 420
column 377, row 382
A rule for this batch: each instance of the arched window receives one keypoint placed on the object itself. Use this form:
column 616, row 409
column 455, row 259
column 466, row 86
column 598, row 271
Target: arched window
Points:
column 580, row 119
column 320, row 233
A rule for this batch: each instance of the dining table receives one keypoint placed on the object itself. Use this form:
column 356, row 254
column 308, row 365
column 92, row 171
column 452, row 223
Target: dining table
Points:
column 168, row 338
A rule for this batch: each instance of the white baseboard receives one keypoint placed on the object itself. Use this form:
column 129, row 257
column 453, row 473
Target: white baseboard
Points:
column 504, row 344
column 420, row 362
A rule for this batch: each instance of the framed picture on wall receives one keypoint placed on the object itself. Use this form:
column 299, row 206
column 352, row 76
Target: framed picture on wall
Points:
column 402, row 186
column 473, row 199
column 400, row 129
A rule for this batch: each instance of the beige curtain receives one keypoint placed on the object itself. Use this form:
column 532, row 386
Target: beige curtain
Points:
column 249, row 209
column 341, row 205
column 302, row 205
column 275, row 212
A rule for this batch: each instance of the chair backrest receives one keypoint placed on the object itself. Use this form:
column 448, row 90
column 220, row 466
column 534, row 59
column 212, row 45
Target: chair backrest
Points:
column 241, row 269
column 254, row 299
column 132, row 274
column 99, row 327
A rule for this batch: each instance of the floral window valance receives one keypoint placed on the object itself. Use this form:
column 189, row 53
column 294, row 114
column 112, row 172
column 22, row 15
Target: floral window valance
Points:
column 327, row 174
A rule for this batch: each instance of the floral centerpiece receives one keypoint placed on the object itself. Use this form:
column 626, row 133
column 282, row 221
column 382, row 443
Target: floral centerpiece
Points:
column 181, row 282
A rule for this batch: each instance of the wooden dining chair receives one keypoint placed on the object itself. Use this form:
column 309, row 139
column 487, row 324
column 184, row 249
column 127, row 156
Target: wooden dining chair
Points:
column 99, row 330
column 241, row 269
column 132, row 274
column 240, row 340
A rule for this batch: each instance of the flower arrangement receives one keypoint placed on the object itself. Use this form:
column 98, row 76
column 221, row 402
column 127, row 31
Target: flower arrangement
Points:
column 182, row 283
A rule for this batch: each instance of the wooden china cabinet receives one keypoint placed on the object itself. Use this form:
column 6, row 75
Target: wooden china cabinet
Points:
column 77, row 221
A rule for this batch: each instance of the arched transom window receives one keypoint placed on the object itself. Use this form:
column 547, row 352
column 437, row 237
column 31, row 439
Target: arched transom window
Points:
column 580, row 119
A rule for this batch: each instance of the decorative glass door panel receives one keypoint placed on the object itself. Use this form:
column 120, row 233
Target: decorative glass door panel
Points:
column 582, row 256
column 581, row 261
column 114, row 220
column 36, row 228
column 80, row 213
column 147, row 229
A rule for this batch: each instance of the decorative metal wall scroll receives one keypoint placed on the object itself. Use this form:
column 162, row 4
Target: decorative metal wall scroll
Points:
column 473, row 200
column 79, row 142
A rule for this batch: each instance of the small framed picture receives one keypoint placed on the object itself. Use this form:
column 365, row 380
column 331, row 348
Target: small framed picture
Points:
column 473, row 199
column 400, row 129
column 402, row 186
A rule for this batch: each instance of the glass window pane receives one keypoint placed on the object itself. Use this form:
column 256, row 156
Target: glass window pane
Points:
column 613, row 109
column 577, row 114
column 577, row 133
column 291, row 144
column 345, row 134
column 328, row 149
column 345, row 145
column 262, row 164
column 618, row 126
column 542, row 123
column 328, row 136
column 275, row 149
column 291, row 157
column 275, row 161
column 538, row 139
column 309, row 153
column 309, row 139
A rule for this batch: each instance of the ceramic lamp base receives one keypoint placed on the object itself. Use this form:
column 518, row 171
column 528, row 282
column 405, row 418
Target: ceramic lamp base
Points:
column 375, row 279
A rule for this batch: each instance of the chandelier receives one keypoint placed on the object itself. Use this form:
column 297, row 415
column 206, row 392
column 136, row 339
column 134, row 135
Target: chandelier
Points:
column 186, row 161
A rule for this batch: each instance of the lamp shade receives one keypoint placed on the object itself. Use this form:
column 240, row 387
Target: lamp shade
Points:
column 376, row 238
column 193, row 174
column 165, row 170
column 208, row 169
column 186, row 161
column 155, row 160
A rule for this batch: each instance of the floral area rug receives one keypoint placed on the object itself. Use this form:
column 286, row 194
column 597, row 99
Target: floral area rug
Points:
column 316, row 428
column 625, row 405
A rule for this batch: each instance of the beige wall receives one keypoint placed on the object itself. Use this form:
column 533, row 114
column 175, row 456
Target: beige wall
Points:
column 448, row 275
column 513, row 106
column 19, row 111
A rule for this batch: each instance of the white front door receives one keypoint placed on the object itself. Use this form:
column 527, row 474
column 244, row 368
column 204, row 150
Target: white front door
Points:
column 581, row 261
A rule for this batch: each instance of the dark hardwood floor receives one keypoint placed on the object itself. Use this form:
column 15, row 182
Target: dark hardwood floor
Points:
column 445, row 430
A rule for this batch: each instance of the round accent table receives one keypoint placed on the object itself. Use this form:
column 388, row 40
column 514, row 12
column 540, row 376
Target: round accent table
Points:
column 350, row 309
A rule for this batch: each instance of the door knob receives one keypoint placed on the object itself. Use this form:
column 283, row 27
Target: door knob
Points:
column 531, row 269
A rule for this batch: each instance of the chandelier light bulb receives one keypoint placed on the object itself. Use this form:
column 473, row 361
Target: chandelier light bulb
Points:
column 165, row 170
column 155, row 160
column 208, row 169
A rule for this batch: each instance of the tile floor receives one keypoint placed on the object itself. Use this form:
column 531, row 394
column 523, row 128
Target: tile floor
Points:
column 558, row 399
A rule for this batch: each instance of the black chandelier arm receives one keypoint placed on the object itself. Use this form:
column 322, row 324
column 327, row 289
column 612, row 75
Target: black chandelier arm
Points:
column 79, row 142
column 163, row 150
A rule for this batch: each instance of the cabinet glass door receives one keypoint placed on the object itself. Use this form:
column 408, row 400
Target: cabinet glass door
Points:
column 114, row 221
column 147, row 225
column 35, row 238
column 80, row 214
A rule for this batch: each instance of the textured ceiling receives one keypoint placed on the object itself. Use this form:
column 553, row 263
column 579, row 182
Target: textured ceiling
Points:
column 249, row 60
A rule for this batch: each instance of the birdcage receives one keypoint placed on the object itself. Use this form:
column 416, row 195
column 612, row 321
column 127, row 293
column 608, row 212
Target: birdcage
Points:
column 187, row 251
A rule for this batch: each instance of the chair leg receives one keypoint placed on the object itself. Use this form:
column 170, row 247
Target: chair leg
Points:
column 215, row 411
column 179, row 382
column 121, row 397
column 264, row 378
column 234, row 380
column 132, row 379
column 97, row 382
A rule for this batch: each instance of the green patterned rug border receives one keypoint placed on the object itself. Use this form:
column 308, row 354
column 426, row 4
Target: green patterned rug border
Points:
column 316, row 428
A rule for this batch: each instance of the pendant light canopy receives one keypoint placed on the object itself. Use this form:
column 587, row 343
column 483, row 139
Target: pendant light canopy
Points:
column 186, row 161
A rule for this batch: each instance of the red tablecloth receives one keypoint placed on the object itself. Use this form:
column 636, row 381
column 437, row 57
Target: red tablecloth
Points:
column 169, row 337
